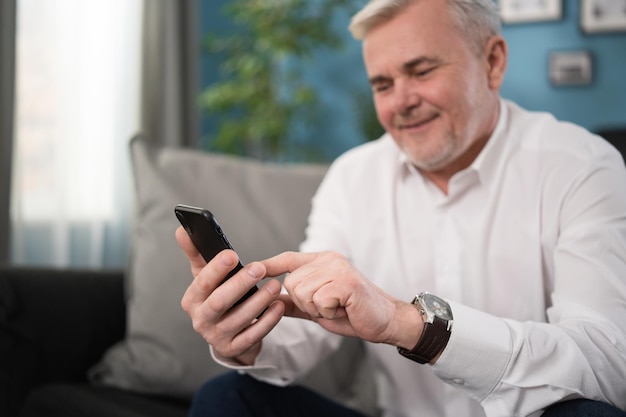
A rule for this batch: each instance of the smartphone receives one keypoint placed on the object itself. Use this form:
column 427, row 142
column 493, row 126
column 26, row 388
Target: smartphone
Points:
column 208, row 237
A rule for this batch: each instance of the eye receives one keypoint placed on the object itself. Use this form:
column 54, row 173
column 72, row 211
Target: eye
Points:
column 422, row 71
column 381, row 87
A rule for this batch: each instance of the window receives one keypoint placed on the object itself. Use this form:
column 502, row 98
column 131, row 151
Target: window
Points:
column 77, row 105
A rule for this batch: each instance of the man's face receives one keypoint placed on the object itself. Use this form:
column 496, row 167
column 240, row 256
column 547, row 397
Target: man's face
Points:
column 431, row 90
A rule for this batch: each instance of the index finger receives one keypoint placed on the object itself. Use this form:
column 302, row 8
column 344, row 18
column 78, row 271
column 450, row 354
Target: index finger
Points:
column 287, row 262
column 210, row 277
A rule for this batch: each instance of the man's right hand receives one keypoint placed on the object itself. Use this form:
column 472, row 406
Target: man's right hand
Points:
column 234, row 333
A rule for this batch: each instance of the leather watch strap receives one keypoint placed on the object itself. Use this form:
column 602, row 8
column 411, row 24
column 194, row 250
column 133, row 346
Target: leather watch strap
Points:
column 433, row 340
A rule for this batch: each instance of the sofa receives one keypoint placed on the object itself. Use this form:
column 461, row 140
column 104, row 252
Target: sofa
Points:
column 116, row 342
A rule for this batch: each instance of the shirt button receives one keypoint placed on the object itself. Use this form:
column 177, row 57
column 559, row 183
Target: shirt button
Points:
column 458, row 381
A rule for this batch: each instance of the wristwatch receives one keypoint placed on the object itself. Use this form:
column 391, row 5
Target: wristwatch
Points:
column 437, row 328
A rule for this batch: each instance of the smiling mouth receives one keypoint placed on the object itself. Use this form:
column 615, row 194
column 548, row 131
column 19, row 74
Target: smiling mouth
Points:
column 416, row 123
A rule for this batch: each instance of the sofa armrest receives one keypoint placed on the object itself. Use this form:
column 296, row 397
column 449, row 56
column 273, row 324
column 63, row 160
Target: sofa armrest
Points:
column 54, row 324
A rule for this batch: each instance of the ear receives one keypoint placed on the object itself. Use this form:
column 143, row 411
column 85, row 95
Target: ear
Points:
column 496, row 54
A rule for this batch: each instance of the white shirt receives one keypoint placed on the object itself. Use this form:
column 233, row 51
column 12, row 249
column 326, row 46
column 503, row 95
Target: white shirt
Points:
column 529, row 247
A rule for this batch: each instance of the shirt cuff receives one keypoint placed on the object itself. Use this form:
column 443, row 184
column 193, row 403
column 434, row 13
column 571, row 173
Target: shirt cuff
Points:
column 262, row 369
column 477, row 354
column 286, row 354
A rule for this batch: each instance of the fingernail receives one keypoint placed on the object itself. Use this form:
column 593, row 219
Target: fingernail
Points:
column 273, row 288
column 255, row 270
column 227, row 260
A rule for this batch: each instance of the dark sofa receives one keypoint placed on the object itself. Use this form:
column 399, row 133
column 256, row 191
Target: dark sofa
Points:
column 55, row 325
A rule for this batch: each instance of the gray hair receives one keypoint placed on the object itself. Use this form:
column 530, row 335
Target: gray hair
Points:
column 477, row 19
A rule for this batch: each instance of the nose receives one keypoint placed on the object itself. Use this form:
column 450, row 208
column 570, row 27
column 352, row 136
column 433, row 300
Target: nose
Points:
column 406, row 98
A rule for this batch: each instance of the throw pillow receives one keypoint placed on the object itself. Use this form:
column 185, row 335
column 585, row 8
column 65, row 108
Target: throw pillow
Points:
column 262, row 207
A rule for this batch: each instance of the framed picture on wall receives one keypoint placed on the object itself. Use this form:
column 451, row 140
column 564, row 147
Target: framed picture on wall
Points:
column 518, row 11
column 602, row 15
column 570, row 68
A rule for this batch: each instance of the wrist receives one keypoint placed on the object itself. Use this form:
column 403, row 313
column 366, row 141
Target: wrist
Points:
column 409, row 326
column 435, row 329
column 248, row 357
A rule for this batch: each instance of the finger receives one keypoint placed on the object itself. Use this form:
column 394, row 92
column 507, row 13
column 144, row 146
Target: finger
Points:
column 226, row 295
column 253, row 334
column 287, row 262
column 221, row 330
column 304, row 284
column 318, row 305
column 209, row 278
column 196, row 260
column 326, row 306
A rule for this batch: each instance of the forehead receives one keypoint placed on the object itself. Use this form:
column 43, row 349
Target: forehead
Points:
column 423, row 28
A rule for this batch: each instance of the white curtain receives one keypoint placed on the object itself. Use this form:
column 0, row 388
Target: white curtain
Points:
column 78, row 66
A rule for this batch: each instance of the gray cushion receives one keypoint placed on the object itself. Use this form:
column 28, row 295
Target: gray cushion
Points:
column 263, row 208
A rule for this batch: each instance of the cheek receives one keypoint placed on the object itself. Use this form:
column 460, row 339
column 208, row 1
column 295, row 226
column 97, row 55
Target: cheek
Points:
column 383, row 113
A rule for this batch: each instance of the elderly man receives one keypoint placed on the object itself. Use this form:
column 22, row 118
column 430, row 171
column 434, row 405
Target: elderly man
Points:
column 514, row 222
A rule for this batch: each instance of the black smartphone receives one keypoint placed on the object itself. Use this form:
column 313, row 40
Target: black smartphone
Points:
column 207, row 236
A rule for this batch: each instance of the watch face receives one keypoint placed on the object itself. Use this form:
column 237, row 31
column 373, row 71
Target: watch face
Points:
column 437, row 306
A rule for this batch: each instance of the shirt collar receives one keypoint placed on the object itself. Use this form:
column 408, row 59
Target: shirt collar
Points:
column 488, row 159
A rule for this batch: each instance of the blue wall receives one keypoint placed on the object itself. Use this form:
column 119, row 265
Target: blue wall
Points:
column 344, row 90
column 598, row 105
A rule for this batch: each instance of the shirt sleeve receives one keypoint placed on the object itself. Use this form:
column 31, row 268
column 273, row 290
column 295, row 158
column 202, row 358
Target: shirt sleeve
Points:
column 518, row 368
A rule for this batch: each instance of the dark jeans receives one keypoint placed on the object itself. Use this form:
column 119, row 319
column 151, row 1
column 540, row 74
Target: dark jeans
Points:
column 238, row 395
column 582, row 408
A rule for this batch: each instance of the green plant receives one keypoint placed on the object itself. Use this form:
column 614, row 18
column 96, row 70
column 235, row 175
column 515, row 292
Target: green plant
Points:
column 262, row 93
